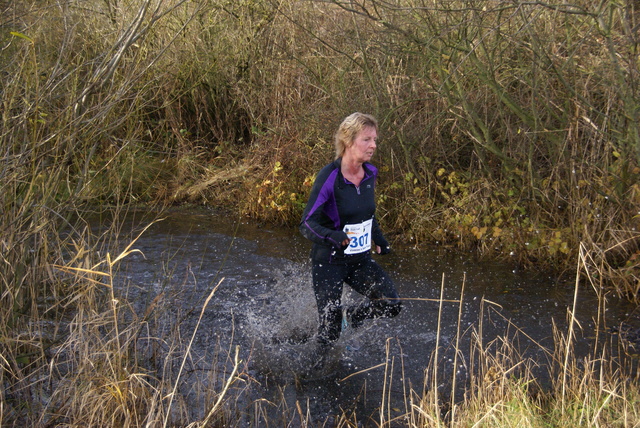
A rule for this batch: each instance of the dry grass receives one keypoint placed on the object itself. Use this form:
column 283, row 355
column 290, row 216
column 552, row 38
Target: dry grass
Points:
column 510, row 128
column 504, row 125
column 503, row 389
column 101, row 362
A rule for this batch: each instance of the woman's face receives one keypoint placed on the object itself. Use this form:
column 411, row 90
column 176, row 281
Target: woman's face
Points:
column 364, row 145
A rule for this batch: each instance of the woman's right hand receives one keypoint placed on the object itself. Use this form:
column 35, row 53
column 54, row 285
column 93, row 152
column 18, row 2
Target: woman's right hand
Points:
column 338, row 237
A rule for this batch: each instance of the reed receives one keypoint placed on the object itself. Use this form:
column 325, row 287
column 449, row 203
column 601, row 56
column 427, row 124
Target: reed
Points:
column 95, row 358
column 509, row 128
column 97, row 370
column 506, row 127
column 504, row 388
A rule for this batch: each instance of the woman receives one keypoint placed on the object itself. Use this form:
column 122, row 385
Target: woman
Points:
column 340, row 220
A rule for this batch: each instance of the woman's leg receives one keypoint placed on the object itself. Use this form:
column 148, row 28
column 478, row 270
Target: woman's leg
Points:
column 370, row 280
column 327, row 287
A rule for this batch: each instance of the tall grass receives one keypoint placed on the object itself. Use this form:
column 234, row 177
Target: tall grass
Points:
column 506, row 387
column 108, row 362
column 75, row 86
column 510, row 128
column 103, row 361
column 507, row 127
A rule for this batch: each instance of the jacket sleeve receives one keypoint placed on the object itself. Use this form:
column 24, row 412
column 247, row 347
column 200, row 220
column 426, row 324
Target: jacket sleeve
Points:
column 378, row 238
column 315, row 218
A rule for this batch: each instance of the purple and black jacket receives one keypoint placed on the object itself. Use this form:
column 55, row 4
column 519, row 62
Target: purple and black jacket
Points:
column 334, row 202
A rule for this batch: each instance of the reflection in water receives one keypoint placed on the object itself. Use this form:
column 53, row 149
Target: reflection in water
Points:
column 265, row 305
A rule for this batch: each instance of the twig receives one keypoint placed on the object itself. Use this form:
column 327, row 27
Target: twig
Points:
column 186, row 354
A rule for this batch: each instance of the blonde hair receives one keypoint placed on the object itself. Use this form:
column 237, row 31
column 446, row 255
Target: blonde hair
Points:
column 349, row 129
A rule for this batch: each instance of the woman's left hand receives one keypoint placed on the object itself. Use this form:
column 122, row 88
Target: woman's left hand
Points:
column 383, row 250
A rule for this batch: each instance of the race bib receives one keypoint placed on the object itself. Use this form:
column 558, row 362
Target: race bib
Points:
column 360, row 236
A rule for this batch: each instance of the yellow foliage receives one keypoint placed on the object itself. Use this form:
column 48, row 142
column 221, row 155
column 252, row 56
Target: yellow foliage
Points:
column 478, row 232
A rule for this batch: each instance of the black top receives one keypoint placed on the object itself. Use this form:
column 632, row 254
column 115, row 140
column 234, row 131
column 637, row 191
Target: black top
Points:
column 335, row 202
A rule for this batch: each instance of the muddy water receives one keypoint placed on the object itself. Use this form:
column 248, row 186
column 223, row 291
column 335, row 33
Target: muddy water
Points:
column 263, row 303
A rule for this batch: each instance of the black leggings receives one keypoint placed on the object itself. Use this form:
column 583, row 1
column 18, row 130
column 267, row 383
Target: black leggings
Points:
column 365, row 277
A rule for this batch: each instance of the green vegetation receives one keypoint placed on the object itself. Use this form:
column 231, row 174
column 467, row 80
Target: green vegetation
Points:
column 507, row 127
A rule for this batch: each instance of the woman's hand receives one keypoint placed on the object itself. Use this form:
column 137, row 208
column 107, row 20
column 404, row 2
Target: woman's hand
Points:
column 383, row 250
